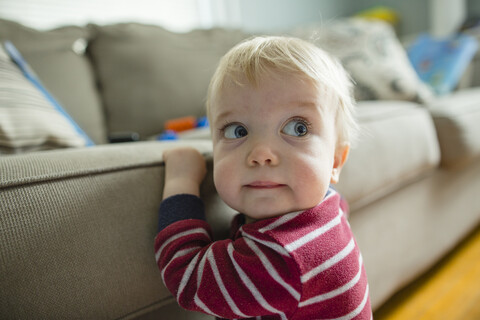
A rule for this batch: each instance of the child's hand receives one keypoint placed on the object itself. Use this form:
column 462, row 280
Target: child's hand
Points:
column 185, row 170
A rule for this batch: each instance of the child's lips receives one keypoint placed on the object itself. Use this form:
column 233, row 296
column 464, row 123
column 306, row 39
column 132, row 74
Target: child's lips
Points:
column 264, row 185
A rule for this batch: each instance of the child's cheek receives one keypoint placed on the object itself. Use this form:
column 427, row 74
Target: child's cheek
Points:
column 313, row 178
column 225, row 178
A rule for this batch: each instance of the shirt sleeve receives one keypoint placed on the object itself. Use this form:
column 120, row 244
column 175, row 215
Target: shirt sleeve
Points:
column 239, row 278
column 180, row 207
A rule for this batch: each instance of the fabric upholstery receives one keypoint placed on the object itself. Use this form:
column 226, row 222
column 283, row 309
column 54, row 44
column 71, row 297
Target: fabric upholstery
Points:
column 149, row 75
column 457, row 119
column 76, row 232
column 397, row 145
column 66, row 74
column 403, row 235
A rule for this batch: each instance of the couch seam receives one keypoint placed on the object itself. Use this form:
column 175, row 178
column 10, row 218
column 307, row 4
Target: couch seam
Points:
column 66, row 175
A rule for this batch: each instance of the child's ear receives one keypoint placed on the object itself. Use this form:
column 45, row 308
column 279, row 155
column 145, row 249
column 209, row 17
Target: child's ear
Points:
column 341, row 155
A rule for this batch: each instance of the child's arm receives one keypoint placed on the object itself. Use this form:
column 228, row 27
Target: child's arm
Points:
column 185, row 169
column 227, row 279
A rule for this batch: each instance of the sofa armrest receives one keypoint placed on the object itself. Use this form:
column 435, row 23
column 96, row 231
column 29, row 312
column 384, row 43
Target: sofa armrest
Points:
column 77, row 229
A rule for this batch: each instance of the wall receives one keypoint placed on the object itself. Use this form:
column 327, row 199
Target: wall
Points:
column 179, row 15
column 259, row 16
column 447, row 16
column 473, row 8
column 279, row 15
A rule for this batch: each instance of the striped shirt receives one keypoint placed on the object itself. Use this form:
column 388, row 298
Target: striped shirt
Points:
column 301, row 265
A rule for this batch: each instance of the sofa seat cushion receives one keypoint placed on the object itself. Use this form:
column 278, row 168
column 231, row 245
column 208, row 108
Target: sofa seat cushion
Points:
column 398, row 145
column 457, row 119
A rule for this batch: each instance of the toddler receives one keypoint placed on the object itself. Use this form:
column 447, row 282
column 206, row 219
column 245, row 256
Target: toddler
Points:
column 281, row 117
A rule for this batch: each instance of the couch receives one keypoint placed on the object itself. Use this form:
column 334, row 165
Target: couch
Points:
column 77, row 223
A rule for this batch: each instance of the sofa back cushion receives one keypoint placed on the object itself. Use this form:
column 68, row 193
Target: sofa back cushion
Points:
column 397, row 146
column 57, row 59
column 456, row 117
column 148, row 74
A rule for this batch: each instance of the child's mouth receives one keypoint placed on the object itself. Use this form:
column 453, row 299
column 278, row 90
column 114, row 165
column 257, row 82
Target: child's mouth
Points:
column 264, row 185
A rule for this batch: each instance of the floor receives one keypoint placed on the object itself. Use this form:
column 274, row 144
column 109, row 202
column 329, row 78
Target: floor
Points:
column 450, row 291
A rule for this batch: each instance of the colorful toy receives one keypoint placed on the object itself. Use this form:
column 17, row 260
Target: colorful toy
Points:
column 181, row 124
column 174, row 126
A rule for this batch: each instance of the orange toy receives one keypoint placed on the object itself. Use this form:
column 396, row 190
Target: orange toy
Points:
column 181, row 124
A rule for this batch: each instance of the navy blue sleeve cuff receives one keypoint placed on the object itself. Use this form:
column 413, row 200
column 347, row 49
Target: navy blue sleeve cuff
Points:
column 180, row 207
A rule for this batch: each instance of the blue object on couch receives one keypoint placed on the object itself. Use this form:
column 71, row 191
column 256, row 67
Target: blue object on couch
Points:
column 31, row 76
column 167, row 135
column 441, row 62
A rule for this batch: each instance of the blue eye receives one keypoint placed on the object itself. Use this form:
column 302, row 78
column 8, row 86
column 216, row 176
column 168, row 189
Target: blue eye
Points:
column 296, row 128
column 234, row 131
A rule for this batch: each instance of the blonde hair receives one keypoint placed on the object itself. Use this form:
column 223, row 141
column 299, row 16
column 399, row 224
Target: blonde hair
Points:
column 257, row 56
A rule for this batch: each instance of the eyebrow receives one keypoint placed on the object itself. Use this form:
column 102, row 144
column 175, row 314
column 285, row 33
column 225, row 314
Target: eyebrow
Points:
column 222, row 115
column 306, row 104
column 300, row 103
column 225, row 114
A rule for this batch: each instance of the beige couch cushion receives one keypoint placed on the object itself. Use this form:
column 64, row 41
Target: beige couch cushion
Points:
column 404, row 234
column 77, row 230
column 66, row 74
column 398, row 145
column 149, row 75
column 457, row 119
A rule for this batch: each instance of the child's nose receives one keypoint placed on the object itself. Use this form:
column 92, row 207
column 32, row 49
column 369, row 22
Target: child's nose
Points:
column 262, row 154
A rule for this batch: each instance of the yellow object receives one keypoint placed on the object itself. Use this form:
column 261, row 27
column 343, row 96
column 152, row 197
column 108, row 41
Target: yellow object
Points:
column 380, row 13
column 450, row 291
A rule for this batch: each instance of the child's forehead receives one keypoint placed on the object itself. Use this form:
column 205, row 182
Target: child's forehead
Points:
column 265, row 75
column 288, row 85
column 269, row 93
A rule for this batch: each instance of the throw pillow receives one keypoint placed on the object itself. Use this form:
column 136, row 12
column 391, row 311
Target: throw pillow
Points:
column 57, row 56
column 30, row 119
column 374, row 57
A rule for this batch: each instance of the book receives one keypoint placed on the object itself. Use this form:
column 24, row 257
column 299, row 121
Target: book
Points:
column 440, row 62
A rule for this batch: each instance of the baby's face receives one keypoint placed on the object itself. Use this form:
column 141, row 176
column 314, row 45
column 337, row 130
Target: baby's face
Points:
column 274, row 146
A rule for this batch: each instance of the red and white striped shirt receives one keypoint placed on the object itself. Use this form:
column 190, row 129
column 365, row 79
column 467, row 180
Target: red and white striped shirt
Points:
column 302, row 265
